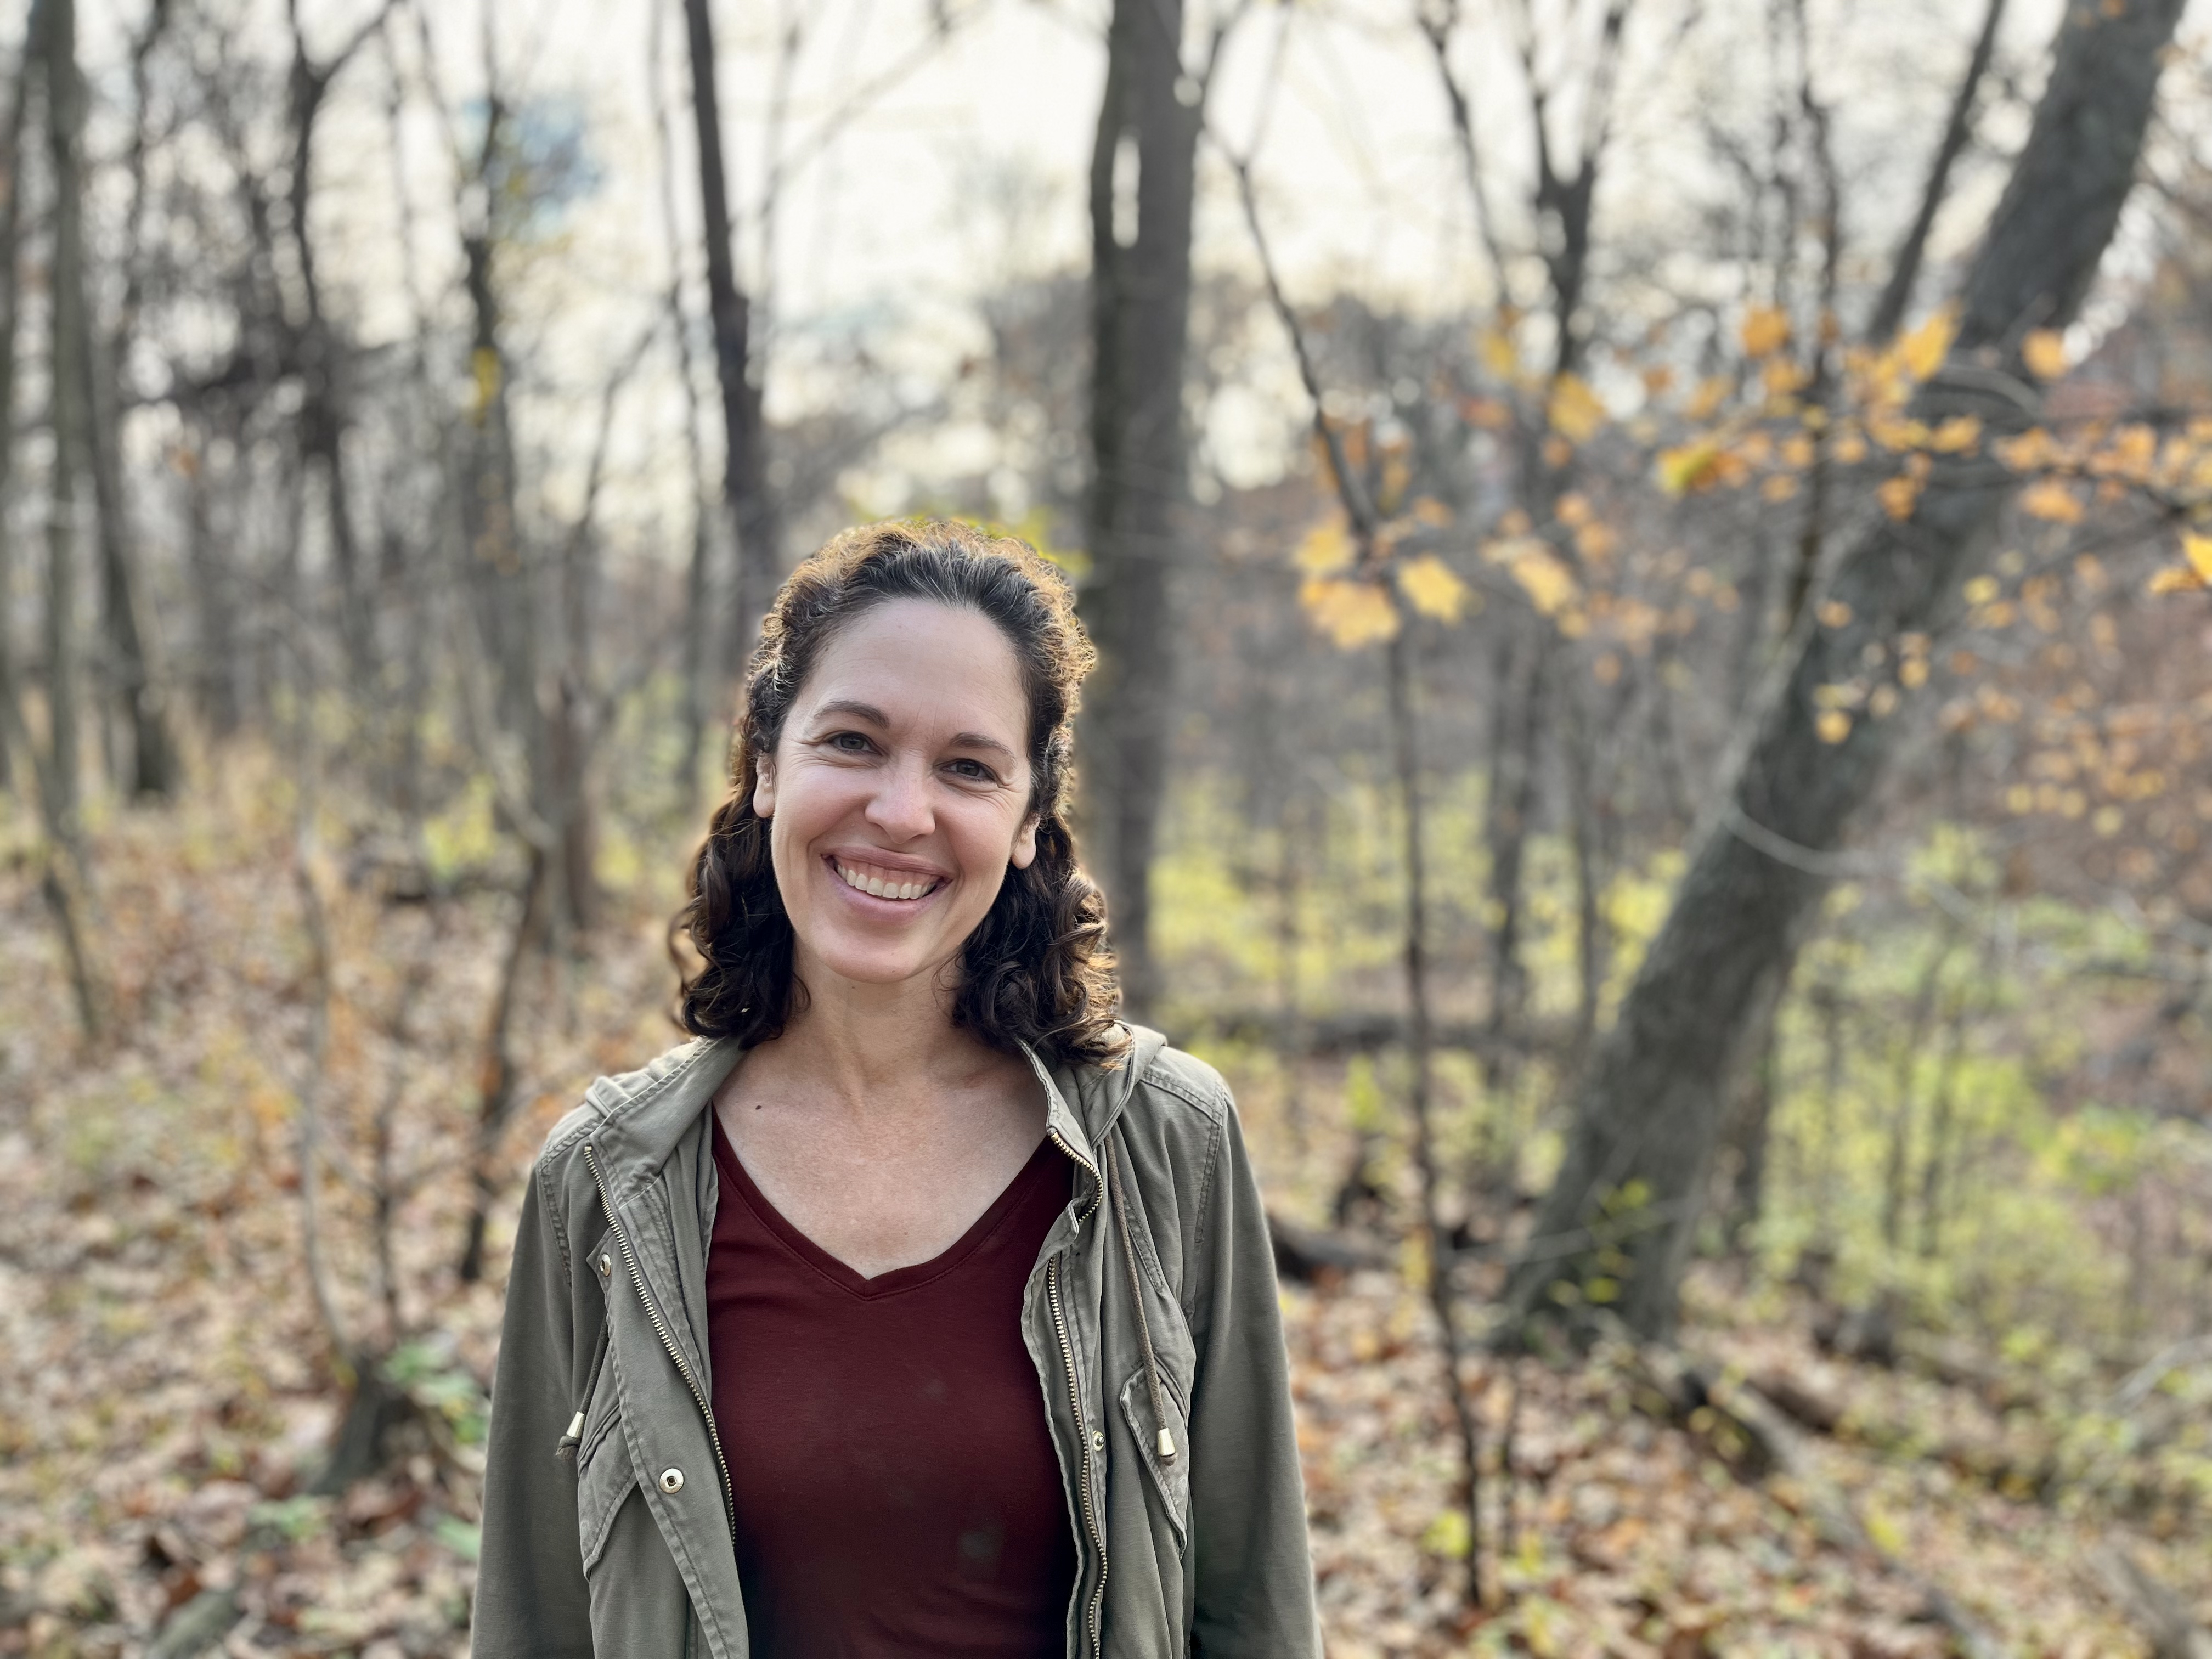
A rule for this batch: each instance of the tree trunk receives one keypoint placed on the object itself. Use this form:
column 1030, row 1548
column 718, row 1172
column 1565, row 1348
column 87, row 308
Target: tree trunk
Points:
column 1748, row 1112
column 745, row 469
column 1517, row 721
column 133, row 656
column 1141, row 316
column 65, row 131
column 12, row 219
column 1646, row 1116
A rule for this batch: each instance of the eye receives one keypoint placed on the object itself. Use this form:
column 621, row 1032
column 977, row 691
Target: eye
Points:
column 849, row 743
column 974, row 770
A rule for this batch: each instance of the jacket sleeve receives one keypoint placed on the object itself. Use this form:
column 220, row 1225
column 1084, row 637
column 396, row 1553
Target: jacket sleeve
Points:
column 1253, row 1589
column 531, row 1596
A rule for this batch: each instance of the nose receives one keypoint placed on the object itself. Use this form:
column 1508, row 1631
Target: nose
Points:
column 900, row 807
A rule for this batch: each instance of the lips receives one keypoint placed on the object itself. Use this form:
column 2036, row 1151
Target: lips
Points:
column 878, row 881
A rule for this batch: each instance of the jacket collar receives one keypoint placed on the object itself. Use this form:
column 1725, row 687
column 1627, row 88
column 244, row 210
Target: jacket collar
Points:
column 643, row 1115
column 1082, row 1101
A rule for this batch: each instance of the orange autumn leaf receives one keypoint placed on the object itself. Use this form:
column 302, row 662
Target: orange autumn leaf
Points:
column 2043, row 351
column 1326, row 548
column 1765, row 331
column 1922, row 350
column 1577, row 412
column 1433, row 588
column 1351, row 614
column 2052, row 499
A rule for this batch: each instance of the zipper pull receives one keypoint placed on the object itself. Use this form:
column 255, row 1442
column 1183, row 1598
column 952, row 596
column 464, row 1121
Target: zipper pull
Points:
column 1167, row 1447
column 570, row 1441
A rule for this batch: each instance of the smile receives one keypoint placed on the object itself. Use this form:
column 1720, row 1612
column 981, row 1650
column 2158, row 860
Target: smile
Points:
column 883, row 884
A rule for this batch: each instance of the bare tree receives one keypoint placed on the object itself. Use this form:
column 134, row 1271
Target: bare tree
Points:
column 753, row 520
column 1646, row 1116
column 1142, row 161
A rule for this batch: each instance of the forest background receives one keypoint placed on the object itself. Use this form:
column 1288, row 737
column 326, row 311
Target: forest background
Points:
column 1650, row 559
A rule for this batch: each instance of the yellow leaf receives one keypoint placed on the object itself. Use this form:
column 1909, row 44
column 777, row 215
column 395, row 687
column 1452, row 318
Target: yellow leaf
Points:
column 1576, row 410
column 1433, row 588
column 1898, row 496
column 1981, row 590
column 2031, row 450
column 2043, row 351
column 1351, row 613
column 1779, row 488
column 1712, row 391
column 1834, row 613
column 1447, row 1534
column 2177, row 578
column 1548, row 583
column 2197, row 550
column 1596, row 540
column 1887, row 1535
column 1688, row 468
column 1912, row 673
column 1765, row 331
column 1833, row 725
column 1783, row 376
column 484, row 366
column 1431, row 512
column 1574, row 509
column 1498, row 354
column 2050, row 498
column 1922, row 350
column 1326, row 548
column 1959, row 434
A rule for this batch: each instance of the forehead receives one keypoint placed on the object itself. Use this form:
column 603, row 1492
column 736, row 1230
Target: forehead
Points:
column 925, row 665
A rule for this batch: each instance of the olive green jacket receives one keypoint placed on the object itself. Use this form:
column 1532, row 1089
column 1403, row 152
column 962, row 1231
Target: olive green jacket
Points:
column 606, row 1525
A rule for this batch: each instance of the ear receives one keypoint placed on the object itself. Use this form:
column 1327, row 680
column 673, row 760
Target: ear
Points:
column 1024, row 852
column 764, row 786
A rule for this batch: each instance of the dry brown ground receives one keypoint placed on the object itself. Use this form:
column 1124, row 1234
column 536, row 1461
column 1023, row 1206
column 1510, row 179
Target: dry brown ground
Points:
column 166, row 1387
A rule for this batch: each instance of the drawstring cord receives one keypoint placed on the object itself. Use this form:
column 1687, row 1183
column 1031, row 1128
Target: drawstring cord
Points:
column 573, row 1439
column 1166, row 1444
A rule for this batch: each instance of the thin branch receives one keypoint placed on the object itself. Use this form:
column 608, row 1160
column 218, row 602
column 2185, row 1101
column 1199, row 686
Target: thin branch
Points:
column 1904, row 270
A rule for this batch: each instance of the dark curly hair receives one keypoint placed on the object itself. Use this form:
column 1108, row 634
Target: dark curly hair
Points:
column 1036, row 968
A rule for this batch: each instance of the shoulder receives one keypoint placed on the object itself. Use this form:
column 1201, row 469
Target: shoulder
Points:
column 560, row 1164
column 1178, row 1109
column 1171, row 1080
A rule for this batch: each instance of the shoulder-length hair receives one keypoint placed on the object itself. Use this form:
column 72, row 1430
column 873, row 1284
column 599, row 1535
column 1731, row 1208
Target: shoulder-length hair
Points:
column 1036, row 969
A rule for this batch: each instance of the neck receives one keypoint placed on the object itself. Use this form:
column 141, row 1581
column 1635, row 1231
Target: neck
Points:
column 865, row 1045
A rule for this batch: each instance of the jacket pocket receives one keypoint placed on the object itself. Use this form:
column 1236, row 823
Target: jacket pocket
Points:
column 1170, row 1476
column 604, row 1477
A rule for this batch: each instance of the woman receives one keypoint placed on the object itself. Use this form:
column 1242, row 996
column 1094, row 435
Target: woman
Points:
column 916, row 1308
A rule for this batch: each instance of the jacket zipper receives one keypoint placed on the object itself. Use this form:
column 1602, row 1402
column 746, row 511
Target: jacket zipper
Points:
column 667, row 1341
column 1075, row 1398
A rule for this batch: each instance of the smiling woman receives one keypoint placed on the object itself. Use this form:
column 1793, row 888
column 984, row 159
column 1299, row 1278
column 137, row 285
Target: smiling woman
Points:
column 919, row 1307
column 978, row 635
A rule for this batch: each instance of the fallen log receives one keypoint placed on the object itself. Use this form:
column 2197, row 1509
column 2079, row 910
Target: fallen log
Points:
column 1308, row 1255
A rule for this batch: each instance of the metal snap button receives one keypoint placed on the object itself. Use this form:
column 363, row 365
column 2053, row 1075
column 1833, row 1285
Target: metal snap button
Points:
column 606, row 1266
column 672, row 1480
column 1098, row 1440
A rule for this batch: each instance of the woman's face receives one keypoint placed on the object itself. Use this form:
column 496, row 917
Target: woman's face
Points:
column 899, row 792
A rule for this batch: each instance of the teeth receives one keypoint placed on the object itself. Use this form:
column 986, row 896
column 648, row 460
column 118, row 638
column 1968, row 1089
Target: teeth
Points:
column 881, row 888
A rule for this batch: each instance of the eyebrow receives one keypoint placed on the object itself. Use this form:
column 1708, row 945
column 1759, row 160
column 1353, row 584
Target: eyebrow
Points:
column 855, row 709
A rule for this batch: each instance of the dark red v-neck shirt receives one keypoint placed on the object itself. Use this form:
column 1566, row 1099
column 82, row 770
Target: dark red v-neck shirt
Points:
column 897, row 1492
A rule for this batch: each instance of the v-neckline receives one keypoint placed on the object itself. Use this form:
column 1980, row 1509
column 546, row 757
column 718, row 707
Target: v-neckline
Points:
column 897, row 1280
